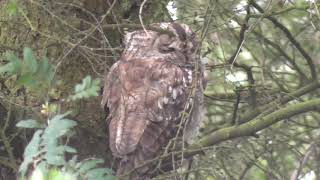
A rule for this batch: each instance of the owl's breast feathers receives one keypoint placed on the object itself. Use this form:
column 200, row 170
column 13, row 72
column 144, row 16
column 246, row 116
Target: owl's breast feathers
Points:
column 145, row 98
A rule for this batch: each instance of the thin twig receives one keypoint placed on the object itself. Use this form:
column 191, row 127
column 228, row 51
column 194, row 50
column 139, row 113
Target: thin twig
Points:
column 140, row 17
column 297, row 171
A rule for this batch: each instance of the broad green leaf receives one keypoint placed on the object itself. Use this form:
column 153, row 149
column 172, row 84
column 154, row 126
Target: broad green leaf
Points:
column 30, row 62
column 30, row 123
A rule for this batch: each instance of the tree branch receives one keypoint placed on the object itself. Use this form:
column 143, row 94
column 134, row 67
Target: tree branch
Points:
column 246, row 129
column 291, row 39
column 257, row 124
column 272, row 106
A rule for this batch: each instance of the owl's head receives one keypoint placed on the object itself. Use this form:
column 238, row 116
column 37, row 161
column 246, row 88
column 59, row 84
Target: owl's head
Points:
column 180, row 42
column 183, row 41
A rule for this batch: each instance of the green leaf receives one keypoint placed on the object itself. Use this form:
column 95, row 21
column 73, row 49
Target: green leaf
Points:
column 89, row 164
column 70, row 149
column 27, row 80
column 33, row 147
column 30, row 123
column 88, row 88
column 13, row 66
column 45, row 70
column 53, row 159
column 58, row 126
column 30, row 62
column 31, row 151
column 9, row 67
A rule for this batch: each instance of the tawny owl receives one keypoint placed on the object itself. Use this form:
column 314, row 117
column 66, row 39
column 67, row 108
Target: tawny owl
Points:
column 146, row 92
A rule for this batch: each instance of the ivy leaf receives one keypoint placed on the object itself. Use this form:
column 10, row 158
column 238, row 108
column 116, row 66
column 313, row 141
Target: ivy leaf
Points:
column 30, row 123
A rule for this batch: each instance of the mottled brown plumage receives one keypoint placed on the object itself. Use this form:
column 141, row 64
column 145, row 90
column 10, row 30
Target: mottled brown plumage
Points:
column 146, row 91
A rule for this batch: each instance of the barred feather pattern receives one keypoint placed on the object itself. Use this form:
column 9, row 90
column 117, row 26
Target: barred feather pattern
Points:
column 146, row 92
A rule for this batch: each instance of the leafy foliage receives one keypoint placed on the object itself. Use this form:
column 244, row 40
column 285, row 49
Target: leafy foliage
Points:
column 30, row 123
column 47, row 153
column 32, row 73
column 87, row 89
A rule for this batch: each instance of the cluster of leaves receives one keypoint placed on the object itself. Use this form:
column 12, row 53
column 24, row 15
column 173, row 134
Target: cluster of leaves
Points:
column 32, row 73
column 37, row 75
column 88, row 88
column 46, row 153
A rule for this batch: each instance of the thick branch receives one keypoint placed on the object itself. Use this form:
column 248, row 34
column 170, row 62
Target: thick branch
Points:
column 272, row 106
column 257, row 124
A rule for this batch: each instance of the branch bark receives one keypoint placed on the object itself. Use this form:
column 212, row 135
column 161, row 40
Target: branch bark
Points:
column 257, row 124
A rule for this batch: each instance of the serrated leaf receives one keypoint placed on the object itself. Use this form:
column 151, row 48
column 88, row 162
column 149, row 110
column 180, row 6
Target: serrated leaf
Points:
column 53, row 132
column 88, row 88
column 30, row 62
column 45, row 70
column 31, row 151
column 33, row 146
column 30, row 123
column 58, row 126
column 89, row 164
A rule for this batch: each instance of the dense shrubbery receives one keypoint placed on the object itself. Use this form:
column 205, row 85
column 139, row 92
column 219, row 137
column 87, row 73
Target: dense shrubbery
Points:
column 45, row 155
